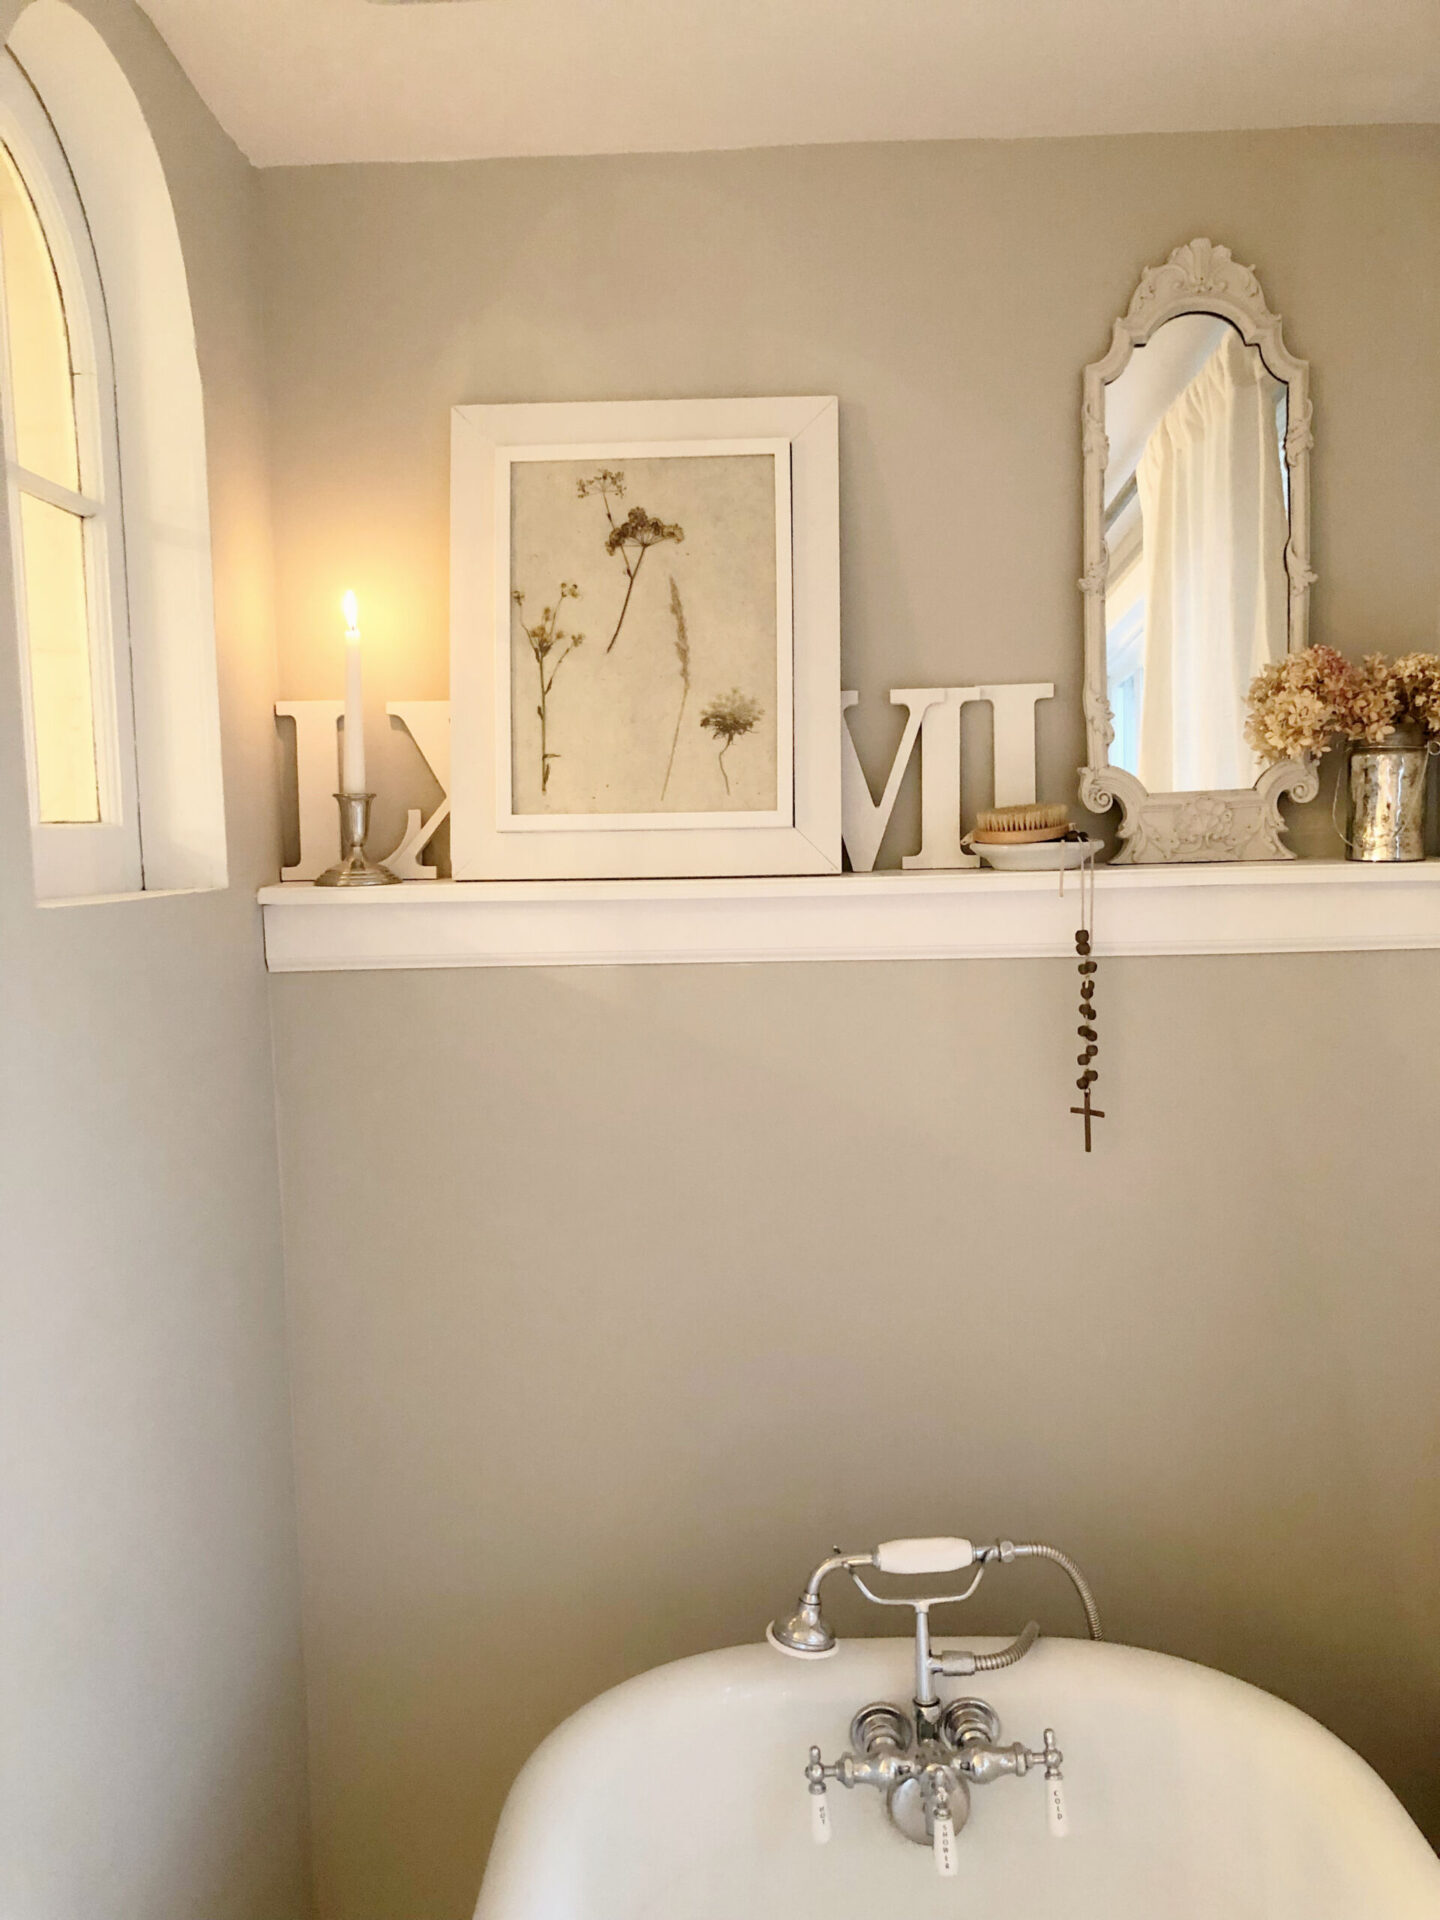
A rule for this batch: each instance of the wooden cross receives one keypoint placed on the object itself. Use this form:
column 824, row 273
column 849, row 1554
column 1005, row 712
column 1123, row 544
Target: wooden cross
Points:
column 1090, row 1113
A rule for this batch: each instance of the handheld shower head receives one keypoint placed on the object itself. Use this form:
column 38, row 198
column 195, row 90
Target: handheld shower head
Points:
column 804, row 1634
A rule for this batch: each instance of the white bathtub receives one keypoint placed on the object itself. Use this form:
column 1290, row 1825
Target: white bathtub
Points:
column 1191, row 1796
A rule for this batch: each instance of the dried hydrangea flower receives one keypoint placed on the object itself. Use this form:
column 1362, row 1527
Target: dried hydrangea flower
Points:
column 1374, row 706
column 1302, row 703
column 1299, row 704
column 1418, row 677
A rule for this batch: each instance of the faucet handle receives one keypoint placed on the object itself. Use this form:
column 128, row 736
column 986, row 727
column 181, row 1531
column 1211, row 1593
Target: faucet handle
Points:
column 946, row 1864
column 817, row 1773
column 936, row 1784
column 937, row 1555
column 1056, row 1817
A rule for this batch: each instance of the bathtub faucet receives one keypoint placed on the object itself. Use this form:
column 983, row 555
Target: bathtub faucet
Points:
column 807, row 1635
column 926, row 1782
column 925, row 1767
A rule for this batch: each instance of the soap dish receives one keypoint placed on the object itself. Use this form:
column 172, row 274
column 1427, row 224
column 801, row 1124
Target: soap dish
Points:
column 1036, row 856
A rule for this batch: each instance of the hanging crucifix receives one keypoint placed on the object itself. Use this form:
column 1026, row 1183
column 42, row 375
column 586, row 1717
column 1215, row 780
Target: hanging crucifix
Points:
column 1090, row 1113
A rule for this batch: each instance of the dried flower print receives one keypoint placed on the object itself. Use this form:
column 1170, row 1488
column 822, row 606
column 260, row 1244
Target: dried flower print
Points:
column 551, row 647
column 618, row 733
column 682, row 654
column 630, row 538
column 729, row 718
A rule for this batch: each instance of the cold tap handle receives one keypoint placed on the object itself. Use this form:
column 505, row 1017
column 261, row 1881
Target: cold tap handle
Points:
column 1055, row 1815
column 1057, row 1819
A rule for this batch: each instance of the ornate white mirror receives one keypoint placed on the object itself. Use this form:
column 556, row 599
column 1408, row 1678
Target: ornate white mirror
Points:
column 1196, row 436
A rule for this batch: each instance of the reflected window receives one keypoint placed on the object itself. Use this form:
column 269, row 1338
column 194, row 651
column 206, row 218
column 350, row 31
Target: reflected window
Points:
column 62, row 470
column 1196, row 525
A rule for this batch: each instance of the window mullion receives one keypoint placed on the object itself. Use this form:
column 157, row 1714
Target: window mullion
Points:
column 83, row 504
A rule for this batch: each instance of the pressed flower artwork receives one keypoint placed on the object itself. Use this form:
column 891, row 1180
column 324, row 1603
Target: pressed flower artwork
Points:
column 551, row 647
column 730, row 718
column 670, row 707
column 645, row 638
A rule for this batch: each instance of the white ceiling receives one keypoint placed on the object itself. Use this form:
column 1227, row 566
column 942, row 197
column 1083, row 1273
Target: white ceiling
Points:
column 298, row 81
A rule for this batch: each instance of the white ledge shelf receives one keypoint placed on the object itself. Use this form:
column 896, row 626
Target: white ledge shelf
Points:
column 1309, row 906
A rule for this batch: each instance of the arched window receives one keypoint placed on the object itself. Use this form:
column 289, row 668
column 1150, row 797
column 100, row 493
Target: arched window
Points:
column 99, row 383
column 57, row 403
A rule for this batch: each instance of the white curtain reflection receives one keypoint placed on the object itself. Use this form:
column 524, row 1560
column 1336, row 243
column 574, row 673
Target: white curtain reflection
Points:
column 1212, row 502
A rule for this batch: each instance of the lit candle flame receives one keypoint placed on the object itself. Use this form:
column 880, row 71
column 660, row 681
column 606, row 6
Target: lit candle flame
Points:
column 351, row 608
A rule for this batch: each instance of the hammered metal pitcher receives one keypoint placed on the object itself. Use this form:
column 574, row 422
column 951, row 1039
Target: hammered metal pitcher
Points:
column 1387, row 802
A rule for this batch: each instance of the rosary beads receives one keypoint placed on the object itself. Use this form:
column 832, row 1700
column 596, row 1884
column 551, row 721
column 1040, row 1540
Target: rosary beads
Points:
column 1087, row 1032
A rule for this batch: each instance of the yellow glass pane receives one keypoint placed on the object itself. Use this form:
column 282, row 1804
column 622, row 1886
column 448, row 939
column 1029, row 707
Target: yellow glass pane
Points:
column 41, row 395
column 57, row 631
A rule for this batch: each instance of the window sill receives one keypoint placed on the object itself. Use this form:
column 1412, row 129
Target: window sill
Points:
column 143, row 893
column 1313, row 906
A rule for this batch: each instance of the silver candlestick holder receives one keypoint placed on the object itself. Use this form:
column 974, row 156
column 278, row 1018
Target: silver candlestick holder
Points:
column 355, row 869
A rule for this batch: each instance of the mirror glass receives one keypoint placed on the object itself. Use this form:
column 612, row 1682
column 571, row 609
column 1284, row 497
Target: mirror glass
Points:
column 1196, row 509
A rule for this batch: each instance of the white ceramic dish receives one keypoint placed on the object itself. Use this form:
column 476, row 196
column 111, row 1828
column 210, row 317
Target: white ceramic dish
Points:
column 1036, row 856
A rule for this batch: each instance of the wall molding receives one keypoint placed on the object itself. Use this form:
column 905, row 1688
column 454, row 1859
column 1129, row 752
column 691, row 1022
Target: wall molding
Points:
column 1314, row 906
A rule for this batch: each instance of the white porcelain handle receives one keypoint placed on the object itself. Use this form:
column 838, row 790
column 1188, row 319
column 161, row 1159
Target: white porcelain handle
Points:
column 1055, row 1814
column 946, row 1864
column 924, row 1556
column 820, row 1819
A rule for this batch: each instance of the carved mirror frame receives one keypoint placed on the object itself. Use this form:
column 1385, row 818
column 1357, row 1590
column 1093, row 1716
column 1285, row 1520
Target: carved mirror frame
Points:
column 1242, row 823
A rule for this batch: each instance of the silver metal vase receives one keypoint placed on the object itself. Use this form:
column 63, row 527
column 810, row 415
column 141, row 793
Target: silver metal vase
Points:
column 1387, row 800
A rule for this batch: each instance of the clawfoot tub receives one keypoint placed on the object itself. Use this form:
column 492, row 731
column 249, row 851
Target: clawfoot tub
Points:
column 682, row 1795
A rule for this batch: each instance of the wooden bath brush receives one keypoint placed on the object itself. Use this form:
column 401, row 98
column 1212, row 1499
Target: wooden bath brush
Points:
column 1016, row 826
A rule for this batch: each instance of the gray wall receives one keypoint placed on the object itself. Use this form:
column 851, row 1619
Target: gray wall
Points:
column 152, row 1759
column 616, row 1296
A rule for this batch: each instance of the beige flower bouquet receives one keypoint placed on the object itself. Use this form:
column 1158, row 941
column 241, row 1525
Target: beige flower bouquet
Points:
column 1311, row 699
column 1388, row 711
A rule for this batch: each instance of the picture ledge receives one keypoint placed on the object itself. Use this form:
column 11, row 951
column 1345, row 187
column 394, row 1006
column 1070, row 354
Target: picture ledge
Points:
column 1301, row 906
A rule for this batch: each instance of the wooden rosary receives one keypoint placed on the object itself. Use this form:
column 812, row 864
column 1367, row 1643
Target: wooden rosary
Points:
column 1088, row 969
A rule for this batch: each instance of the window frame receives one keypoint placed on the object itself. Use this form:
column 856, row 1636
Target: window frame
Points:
column 76, row 859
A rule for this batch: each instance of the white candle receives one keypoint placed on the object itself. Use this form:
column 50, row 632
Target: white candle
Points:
column 353, row 763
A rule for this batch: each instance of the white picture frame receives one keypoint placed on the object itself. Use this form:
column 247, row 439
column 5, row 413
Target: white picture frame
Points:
column 796, row 828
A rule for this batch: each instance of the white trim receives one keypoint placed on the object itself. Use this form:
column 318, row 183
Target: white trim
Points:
column 487, row 844
column 1312, row 906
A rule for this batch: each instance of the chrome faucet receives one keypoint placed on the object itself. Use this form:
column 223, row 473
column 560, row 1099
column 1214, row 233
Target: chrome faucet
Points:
column 925, row 1765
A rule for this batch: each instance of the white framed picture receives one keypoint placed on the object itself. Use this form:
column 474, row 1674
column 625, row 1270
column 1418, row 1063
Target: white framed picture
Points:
column 645, row 639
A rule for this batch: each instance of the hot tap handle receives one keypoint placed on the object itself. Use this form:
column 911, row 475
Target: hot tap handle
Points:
column 817, row 1773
